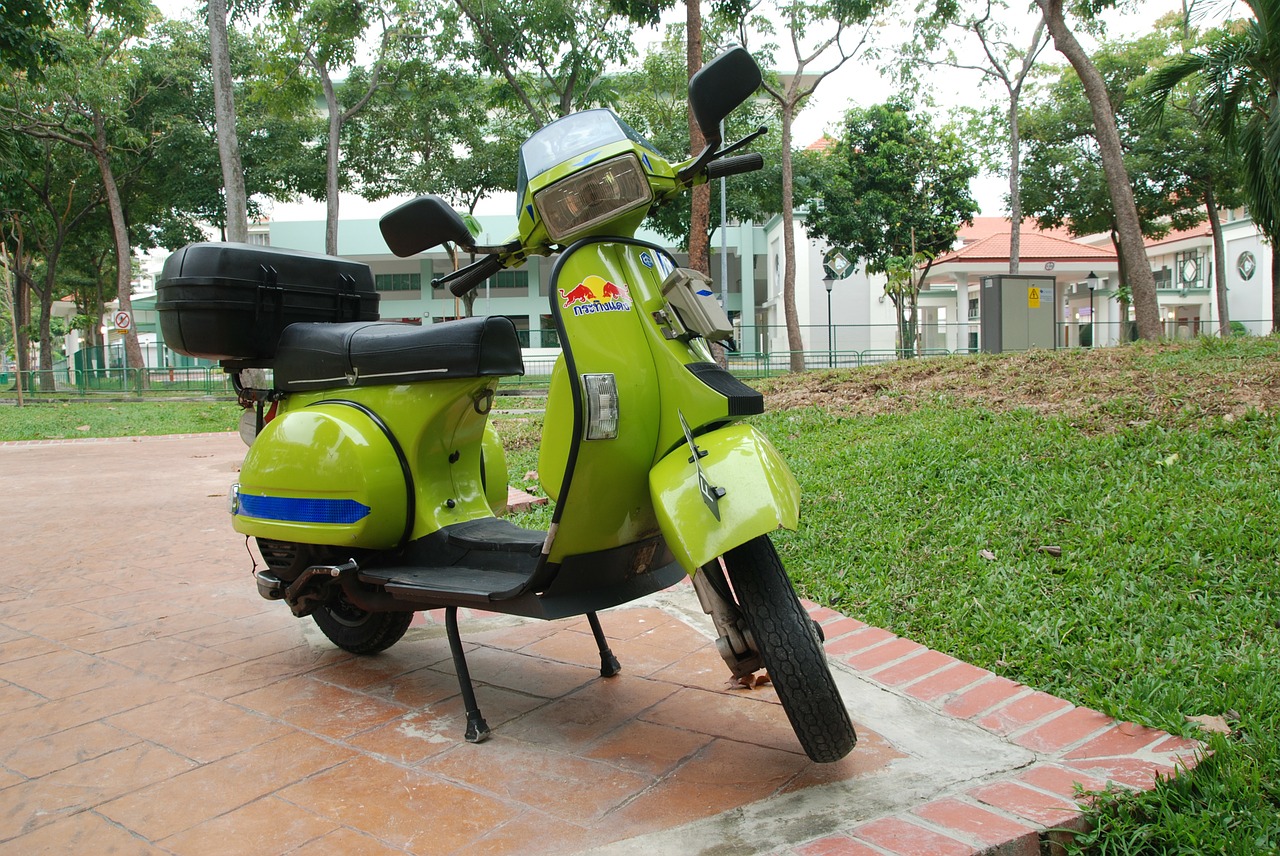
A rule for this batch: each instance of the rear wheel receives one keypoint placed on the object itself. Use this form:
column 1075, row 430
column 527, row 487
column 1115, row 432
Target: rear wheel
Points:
column 791, row 649
column 359, row 631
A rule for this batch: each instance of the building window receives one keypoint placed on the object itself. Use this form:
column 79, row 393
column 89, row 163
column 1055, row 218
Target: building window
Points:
column 510, row 279
column 1188, row 269
column 398, row 281
column 1163, row 277
column 260, row 239
column 973, row 308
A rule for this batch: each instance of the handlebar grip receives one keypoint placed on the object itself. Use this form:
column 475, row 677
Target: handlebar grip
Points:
column 750, row 162
column 462, row 281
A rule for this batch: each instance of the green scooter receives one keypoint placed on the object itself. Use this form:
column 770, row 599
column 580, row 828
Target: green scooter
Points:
column 373, row 473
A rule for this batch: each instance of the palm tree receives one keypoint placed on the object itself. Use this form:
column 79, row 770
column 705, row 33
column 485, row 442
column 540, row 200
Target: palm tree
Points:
column 1238, row 77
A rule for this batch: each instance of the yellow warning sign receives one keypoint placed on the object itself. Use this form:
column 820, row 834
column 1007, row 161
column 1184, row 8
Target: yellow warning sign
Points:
column 1033, row 298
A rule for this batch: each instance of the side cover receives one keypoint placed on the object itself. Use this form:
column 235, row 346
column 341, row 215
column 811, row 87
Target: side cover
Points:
column 325, row 474
column 698, row 521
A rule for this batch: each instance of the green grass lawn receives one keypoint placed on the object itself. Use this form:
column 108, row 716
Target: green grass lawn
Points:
column 1154, row 469
column 63, row 421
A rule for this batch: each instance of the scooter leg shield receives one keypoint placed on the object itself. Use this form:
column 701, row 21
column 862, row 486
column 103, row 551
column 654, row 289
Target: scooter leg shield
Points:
column 740, row 488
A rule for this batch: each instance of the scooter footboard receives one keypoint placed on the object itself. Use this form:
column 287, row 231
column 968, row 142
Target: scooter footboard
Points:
column 738, row 489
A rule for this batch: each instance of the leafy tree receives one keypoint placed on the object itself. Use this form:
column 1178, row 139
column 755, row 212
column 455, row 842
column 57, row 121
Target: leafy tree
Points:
column 224, row 111
column 61, row 185
column 653, row 100
column 1210, row 170
column 552, row 54
column 84, row 102
column 182, row 183
column 435, row 130
column 1003, row 63
column 835, row 20
column 1237, row 76
column 323, row 37
column 897, row 192
column 1134, row 265
column 699, row 200
column 1177, row 174
column 27, row 39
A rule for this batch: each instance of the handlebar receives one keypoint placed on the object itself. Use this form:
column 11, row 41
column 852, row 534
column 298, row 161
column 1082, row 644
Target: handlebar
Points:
column 464, row 279
column 734, row 165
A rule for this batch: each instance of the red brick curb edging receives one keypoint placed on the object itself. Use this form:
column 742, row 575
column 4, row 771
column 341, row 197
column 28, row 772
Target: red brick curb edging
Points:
column 1076, row 749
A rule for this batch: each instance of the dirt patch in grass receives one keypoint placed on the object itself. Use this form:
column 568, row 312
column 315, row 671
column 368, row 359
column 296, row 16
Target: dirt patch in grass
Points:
column 1103, row 389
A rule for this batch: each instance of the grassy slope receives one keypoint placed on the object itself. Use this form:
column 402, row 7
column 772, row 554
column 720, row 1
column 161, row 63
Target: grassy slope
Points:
column 1155, row 469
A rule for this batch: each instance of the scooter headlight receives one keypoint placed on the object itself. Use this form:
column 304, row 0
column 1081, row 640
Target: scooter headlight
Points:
column 595, row 195
column 602, row 406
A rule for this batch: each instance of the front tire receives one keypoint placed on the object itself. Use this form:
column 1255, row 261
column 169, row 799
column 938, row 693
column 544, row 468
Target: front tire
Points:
column 353, row 629
column 791, row 650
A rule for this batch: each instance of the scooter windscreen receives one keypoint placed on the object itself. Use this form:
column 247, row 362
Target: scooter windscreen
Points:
column 573, row 135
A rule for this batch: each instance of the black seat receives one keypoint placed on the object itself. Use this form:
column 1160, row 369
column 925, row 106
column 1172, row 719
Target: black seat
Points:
column 333, row 356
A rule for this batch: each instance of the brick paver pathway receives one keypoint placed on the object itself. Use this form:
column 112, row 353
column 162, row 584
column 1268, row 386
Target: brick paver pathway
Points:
column 151, row 702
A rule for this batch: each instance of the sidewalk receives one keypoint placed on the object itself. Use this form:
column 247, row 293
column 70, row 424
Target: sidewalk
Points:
column 152, row 702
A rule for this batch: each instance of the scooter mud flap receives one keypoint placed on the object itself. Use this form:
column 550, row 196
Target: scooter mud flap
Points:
column 720, row 491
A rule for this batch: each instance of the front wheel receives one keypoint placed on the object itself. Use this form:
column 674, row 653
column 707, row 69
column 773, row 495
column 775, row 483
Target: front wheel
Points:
column 791, row 649
column 358, row 631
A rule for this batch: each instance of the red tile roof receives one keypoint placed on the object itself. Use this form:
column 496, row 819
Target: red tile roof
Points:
column 985, row 227
column 1034, row 246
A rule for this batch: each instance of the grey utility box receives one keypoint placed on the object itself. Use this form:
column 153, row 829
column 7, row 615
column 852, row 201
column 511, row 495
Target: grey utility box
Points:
column 1018, row 313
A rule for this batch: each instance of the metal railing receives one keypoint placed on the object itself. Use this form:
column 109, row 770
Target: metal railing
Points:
column 149, row 382
column 64, row 381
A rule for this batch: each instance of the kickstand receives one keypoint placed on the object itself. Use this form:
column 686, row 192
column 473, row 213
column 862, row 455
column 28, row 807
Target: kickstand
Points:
column 609, row 665
column 477, row 728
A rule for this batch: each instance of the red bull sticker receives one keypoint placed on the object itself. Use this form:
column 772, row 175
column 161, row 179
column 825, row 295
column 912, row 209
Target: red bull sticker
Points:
column 595, row 294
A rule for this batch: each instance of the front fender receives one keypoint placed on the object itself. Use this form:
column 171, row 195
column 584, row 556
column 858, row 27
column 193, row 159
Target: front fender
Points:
column 760, row 494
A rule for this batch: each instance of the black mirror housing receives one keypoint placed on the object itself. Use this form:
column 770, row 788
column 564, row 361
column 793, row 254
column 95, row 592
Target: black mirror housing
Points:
column 719, row 87
column 422, row 223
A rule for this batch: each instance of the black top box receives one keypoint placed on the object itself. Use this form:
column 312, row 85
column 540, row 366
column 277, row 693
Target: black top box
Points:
column 230, row 302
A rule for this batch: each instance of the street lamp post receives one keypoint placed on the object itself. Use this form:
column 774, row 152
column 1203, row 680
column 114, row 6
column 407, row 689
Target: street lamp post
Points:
column 828, row 281
column 1092, row 281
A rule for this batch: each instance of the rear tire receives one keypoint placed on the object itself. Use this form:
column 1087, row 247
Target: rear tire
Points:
column 791, row 650
column 353, row 629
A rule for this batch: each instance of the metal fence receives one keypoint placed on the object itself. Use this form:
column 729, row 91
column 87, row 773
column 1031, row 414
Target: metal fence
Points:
column 938, row 340
column 63, row 382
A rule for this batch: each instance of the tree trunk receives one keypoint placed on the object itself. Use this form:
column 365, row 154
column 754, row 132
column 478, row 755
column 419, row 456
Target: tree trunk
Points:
column 224, row 108
column 1141, row 283
column 1015, row 197
column 331, row 159
column 124, row 253
column 1219, row 263
column 22, row 315
column 10, row 302
column 46, row 337
column 795, row 342
column 700, row 204
column 1275, row 286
